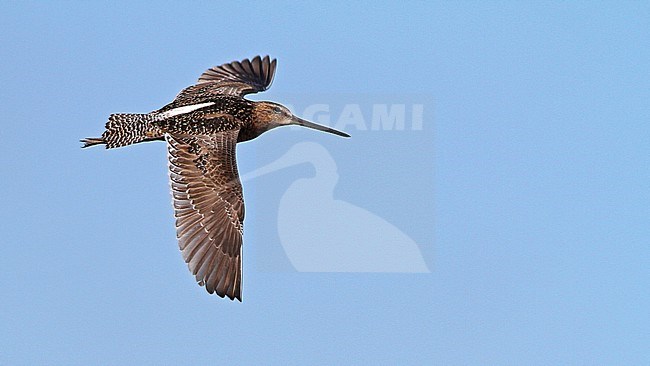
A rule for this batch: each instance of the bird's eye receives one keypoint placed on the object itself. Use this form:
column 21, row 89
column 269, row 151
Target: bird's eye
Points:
column 277, row 110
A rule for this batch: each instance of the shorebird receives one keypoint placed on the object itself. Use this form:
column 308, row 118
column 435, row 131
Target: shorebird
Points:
column 201, row 126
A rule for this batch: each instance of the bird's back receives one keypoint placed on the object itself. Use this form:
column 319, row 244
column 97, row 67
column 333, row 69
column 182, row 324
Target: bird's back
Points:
column 204, row 116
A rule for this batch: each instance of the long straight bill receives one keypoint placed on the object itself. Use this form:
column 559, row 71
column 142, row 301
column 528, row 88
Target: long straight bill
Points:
column 301, row 122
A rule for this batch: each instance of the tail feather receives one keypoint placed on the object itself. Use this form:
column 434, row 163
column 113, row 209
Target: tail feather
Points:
column 92, row 141
column 126, row 129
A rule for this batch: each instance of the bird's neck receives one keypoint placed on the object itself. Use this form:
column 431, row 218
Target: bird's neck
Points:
column 259, row 121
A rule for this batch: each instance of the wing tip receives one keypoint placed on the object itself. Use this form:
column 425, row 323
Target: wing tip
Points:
column 222, row 294
column 258, row 72
column 232, row 288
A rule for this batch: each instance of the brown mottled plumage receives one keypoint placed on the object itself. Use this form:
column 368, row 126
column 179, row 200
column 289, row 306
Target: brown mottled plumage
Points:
column 202, row 126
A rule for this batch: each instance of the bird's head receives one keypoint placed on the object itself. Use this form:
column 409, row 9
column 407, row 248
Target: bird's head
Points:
column 276, row 115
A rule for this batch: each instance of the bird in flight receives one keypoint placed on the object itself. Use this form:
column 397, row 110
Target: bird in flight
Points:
column 202, row 126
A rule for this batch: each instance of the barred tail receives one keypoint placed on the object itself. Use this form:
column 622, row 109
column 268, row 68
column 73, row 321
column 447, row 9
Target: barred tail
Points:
column 126, row 129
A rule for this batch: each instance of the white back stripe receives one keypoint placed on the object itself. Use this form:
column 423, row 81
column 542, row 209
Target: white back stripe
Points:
column 184, row 109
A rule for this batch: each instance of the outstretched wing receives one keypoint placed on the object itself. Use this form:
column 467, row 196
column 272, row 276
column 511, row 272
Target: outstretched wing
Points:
column 257, row 74
column 237, row 78
column 209, row 208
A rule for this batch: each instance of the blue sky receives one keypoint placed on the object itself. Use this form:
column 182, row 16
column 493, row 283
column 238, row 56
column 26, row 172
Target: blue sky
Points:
column 526, row 189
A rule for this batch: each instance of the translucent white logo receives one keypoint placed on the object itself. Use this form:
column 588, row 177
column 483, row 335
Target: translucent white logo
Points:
column 322, row 234
column 362, row 117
